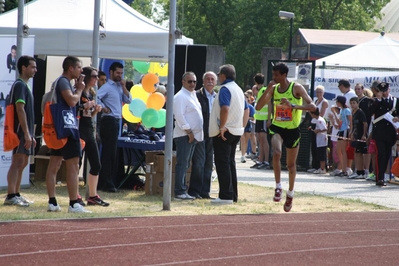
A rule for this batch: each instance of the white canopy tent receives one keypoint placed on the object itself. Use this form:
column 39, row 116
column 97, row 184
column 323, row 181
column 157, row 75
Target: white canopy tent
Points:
column 379, row 53
column 65, row 27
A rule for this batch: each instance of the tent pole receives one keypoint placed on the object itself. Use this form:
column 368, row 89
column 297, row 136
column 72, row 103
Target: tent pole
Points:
column 169, row 109
column 96, row 34
column 94, row 63
column 20, row 32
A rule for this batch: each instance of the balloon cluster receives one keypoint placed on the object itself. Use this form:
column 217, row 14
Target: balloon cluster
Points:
column 146, row 105
column 160, row 69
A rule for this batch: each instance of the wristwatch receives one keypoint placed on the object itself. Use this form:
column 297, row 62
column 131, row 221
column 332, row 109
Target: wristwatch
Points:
column 293, row 106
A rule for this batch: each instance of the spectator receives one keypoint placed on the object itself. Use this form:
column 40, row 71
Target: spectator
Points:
column 344, row 125
column 248, row 128
column 228, row 118
column 384, row 133
column 202, row 162
column 358, row 136
column 71, row 152
column 321, row 140
column 322, row 105
column 111, row 96
column 187, row 132
column 87, row 110
column 22, row 99
column 262, row 123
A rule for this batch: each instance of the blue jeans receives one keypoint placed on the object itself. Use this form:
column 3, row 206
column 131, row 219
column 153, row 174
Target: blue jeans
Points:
column 201, row 173
column 184, row 153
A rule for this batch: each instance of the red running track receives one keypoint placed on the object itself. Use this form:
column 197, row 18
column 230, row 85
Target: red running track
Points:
column 370, row 238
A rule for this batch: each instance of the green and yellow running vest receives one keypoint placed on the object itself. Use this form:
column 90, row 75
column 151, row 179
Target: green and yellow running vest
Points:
column 283, row 117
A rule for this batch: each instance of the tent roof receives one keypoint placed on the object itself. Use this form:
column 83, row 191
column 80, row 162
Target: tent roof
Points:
column 381, row 52
column 340, row 37
column 390, row 17
column 65, row 27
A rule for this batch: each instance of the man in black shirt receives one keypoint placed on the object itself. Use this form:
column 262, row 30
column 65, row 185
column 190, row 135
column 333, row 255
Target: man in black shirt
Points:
column 22, row 99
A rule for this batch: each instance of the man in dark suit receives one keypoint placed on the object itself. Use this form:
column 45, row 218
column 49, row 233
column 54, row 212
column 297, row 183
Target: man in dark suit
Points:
column 12, row 59
column 384, row 133
column 202, row 162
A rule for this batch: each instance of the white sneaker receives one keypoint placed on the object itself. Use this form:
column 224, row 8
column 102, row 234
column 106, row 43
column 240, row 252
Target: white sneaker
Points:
column 77, row 208
column 243, row 159
column 25, row 200
column 16, row 201
column 311, row 170
column 184, row 196
column 335, row 172
column 350, row 172
column 319, row 171
column 353, row 176
column 221, row 201
column 53, row 208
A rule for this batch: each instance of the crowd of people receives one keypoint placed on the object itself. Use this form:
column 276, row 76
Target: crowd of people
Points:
column 346, row 137
column 74, row 91
column 208, row 126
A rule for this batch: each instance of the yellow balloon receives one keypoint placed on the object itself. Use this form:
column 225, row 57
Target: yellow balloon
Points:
column 138, row 92
column 156, row 101
column 128, row 115
column 160, row 69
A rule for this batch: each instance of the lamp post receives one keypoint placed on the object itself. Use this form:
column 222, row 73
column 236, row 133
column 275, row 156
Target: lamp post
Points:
column 290, row 16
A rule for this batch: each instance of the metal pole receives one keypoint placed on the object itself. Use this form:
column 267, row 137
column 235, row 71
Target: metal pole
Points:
column 96, row 34
column 20, row 32
column 169, row 109
column 94, row 63
column 290, row 44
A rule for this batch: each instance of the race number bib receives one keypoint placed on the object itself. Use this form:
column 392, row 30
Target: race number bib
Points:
column 283, row 113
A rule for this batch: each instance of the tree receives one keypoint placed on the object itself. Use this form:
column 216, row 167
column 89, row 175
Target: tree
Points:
column 243, row 27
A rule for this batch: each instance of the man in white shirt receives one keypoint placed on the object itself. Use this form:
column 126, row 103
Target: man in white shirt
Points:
column 187, row 132
column 345, row 87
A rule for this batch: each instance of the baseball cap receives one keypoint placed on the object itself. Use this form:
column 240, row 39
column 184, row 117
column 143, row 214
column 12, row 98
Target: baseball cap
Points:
column 341, row 99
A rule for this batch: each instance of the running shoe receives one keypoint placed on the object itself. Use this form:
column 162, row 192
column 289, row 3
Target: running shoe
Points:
column 288, row 204
column 277, row 194
column 97, row 201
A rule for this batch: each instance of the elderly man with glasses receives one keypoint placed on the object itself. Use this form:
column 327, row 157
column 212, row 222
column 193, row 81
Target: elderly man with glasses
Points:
column 187, row 132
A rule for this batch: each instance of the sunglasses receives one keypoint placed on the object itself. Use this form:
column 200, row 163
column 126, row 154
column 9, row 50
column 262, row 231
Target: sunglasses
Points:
column 191, row 81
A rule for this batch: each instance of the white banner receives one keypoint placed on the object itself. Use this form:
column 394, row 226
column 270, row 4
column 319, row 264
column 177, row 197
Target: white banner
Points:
column 329, row 79
column 8, row 68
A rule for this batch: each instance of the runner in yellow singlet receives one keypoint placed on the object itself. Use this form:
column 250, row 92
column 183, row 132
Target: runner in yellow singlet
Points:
column 290, row 98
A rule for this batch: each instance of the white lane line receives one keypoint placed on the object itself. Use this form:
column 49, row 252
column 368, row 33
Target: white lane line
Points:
column 373, row 246
column 184, row 225
column 172, row 241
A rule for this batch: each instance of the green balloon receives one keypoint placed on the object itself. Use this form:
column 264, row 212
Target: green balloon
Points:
column 149, row 117
column 141, row 67
column 162, row 119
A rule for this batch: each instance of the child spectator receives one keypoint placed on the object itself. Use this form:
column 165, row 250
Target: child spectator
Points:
column 358, row 136
column 321, row 140
column 334, row 139
column 344, row 125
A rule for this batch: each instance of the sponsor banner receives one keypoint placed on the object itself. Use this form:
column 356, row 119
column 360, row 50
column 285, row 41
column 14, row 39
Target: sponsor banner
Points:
column 8, row 69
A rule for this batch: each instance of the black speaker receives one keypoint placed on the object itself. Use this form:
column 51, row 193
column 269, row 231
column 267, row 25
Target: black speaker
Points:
column 190, row 58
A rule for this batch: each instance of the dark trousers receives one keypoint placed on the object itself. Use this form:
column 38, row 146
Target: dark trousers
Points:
column 109, row 132
column 201, row 173
column 91, row 149
column 224, row 151
column 383, row 155
column 315, row 156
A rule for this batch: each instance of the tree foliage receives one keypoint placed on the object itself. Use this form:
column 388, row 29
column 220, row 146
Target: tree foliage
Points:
column 244, row 27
